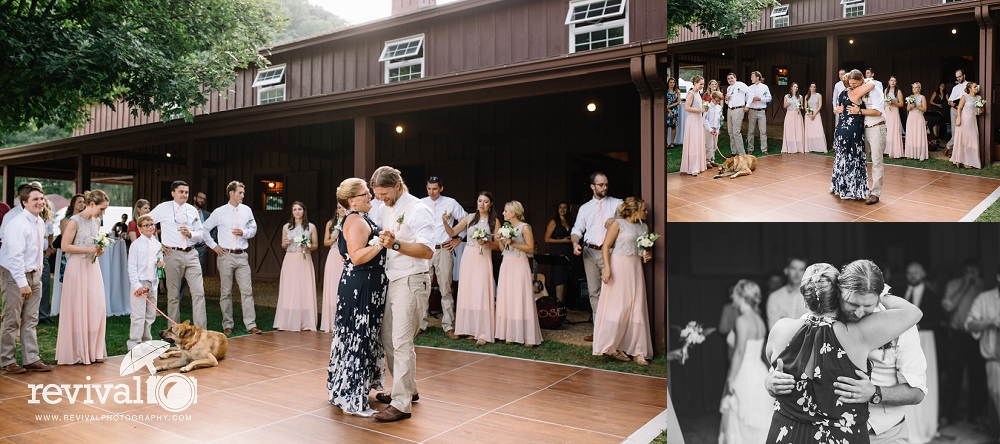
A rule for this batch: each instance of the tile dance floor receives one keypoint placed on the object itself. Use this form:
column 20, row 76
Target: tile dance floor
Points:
column 796, row 188
column 272, row 388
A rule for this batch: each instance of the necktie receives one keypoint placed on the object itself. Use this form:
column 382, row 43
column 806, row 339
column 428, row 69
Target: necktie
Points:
column 41, row 241
column 909, row 293
column 184, row 240
column 598, row 228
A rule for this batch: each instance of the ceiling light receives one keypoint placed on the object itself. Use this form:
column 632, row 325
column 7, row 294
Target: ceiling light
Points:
column 591, row 107
column 399, row 129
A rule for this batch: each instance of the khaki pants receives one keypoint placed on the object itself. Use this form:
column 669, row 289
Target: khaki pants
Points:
column 143, row 315
column 442, row 265
column 710, row 142
column 184, row 264
column 899, row 434
column 875, row 145
column 19, row 315
column 593, row 265
column 993, row 382
column 735, row 127
column 399, row 326
column 237, row 265
column 758, row 120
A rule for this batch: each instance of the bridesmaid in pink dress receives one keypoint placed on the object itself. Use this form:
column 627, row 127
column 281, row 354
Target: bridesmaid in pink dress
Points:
column 813, row 127
column 693, row 159
column 83, row 310
column 474, row 306
column 621, row 324
column 517, row 317
column 966, row 150
column 916, row 127
column 332, row 271
column 793, row 140
column 893, row 125
column 296, row 309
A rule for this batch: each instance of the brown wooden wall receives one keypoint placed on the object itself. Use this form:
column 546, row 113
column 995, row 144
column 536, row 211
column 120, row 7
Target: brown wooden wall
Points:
column 699, row 277
column 487, row 36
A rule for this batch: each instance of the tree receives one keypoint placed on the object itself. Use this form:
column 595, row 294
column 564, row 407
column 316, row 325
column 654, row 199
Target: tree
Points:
column 34, row 135
column 60, row 56
column 306, row 19
column 725, row 17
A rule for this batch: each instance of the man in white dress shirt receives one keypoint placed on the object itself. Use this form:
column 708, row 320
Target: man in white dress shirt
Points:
column 787, row 302
column 588, row 235
column 180, row 230
column 236, row 227
column 736, row 101
column 838, row 87
column 443, row 261
column 17, row 206
column 953, row 98
column 757, row 100
column 983, row 323
column 870, row 74
column 407, row 233
column 21, row 273
column 875, row 135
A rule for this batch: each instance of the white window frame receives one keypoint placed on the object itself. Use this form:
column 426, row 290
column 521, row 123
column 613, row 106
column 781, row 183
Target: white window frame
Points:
column 280, row 78
column 622, row 10
column 779, row 11
column 389, row 66
column 266, row 89
column 595, row 24
column 853, row 4
column 403, row 61
column 420, row 47
column 780, row 22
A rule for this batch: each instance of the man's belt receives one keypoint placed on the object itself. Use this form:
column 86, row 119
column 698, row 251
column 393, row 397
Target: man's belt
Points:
column 591, row 246
column 181, row 249
column 877, row 124
column 735, row 107
column 234, row 251
column 439, row 246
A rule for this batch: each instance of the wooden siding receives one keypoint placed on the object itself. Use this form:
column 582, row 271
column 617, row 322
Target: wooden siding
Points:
column 487, row 36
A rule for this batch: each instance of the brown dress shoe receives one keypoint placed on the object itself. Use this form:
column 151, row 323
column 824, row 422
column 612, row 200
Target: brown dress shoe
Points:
column 390, row 414
column 386, row 398
column 255, row 331
column 227, row 331
column 451, row 334
column 38, row 366
column 872, row 200
column 14, row 369
column 589, row 338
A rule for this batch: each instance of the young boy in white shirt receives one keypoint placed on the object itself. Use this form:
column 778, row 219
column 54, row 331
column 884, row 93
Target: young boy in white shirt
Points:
column 712, row 120
column 144, row 256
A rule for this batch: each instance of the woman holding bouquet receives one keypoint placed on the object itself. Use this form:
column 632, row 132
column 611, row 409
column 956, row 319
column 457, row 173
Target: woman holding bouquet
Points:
column 474, row 309
column 966, row 149
column 693, row 159
column 517, row 318
column 82, row 309
column 812, row 129
column 296, row 309
column 621, row 324
column 893, row 125
column 334, row 268
column 916, row 127
column 792, row 140
column 746, row 406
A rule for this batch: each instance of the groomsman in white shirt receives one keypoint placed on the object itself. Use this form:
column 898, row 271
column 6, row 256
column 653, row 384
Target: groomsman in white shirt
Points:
column 448, row 211
column 870, row 74
column 236, row 227
column 144, row 255
column 838, row 87
column 875, row 135
column 953, row 98
column 736, row 101
column 21, row 274
column 180, row 230
column 588, row 235
column 757, row 100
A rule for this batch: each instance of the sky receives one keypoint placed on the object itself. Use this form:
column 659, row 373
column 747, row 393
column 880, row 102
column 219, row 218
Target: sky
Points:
column 360, row 11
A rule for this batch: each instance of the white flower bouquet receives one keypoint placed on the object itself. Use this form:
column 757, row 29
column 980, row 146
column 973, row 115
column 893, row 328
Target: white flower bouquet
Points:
column 507, row 231
column 889, row 99
column 911, row 100
column 706, row 105
column 480, row 234
column 645, row 242
column 692, row 334
column 809, row 111
column 102, row 240
column 304, row 241
column 980, row 103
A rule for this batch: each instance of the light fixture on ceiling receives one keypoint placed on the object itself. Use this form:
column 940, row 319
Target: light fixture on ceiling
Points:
column 591, row 107
column 851, row 41
column 270, row 184
column 168, row 154
column 954, row 31
column 399, row 129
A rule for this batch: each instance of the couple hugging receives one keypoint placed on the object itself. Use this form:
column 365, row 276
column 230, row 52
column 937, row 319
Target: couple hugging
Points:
column 822, row 364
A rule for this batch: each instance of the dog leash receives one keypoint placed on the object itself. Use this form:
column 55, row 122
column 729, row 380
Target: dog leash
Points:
column 157, row 309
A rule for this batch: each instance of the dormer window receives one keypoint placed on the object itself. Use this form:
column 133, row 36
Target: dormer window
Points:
column 853, row 8
column 404, row 59
column 271, row 85
column 595, row 24
column 780, row 16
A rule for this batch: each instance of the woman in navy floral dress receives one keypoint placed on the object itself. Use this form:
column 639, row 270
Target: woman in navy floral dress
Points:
column 820, row 348
column 357, row 359
column 850, row 174
column 673, row 101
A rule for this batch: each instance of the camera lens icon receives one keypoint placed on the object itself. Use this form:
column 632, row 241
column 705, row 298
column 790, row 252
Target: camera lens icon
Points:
column 174, row 392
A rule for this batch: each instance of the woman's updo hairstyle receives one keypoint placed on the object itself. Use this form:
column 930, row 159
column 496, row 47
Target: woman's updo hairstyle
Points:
column 748, row 291
column 630, row 206
column 95, row 197
column 861, row 276
column 348, row 190
column 819, row 288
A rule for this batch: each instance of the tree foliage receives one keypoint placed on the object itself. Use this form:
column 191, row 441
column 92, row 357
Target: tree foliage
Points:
column 306, row 19
column 725, row 17
column 61, row 55
column 33, row 135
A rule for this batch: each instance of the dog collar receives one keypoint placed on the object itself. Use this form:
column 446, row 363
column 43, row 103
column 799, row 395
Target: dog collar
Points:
column 203, row 332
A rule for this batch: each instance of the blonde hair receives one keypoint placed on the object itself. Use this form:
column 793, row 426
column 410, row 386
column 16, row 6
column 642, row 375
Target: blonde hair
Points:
column 143, row 218
column 388, row 177
column 748, row 291
column 135, row 209
column 854, row 74
column 95, row 197
column 968, row 87
column 47, row 213
column 916, row 85
column 630, row 206
column 717, row 95
column 517, row 209
column 349, row 189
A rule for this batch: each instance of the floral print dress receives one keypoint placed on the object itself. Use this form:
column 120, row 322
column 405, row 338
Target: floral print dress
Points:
column 850, row 174
column 357, row 359
column 811, row 412
column 672, row 98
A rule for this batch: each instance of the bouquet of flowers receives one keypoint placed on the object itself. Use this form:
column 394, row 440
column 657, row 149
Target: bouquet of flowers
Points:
column 304, row 241
column 706, row 105
column 910, row 100
column 889, row 99
column 692, row 334
column 480, row 234
column 507, row 231
column 809, row 111
column 980, row 103
column 102, row 240
column 645, row 242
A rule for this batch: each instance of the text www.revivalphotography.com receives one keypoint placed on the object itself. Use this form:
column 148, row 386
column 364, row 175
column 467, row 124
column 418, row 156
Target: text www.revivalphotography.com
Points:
column 139, row 418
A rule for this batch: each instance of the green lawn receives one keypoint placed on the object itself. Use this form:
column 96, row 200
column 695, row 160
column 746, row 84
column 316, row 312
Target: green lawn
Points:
column 117, row 332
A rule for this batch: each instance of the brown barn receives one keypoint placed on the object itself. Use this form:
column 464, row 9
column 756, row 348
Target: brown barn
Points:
column 487, row 94
column 807, row 41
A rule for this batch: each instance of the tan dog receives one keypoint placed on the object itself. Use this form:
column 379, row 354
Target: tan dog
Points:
column 197, row 347
column 738, row 165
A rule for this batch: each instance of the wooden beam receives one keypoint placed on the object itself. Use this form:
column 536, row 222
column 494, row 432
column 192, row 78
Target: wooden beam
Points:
column 658, row 203
column 172, row 160
column 83, row 173
column 364, row 147
column 987, row 45
column 8, row 185
column 273, row 145
column 194, row 166
column 832, row 60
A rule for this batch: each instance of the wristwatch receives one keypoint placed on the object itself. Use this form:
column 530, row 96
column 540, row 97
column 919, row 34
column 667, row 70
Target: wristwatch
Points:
column 395, row 246
column 877, row 397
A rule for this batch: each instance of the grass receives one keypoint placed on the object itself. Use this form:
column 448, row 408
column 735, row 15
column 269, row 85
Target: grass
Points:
column 117, row 334
column 662, row 439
